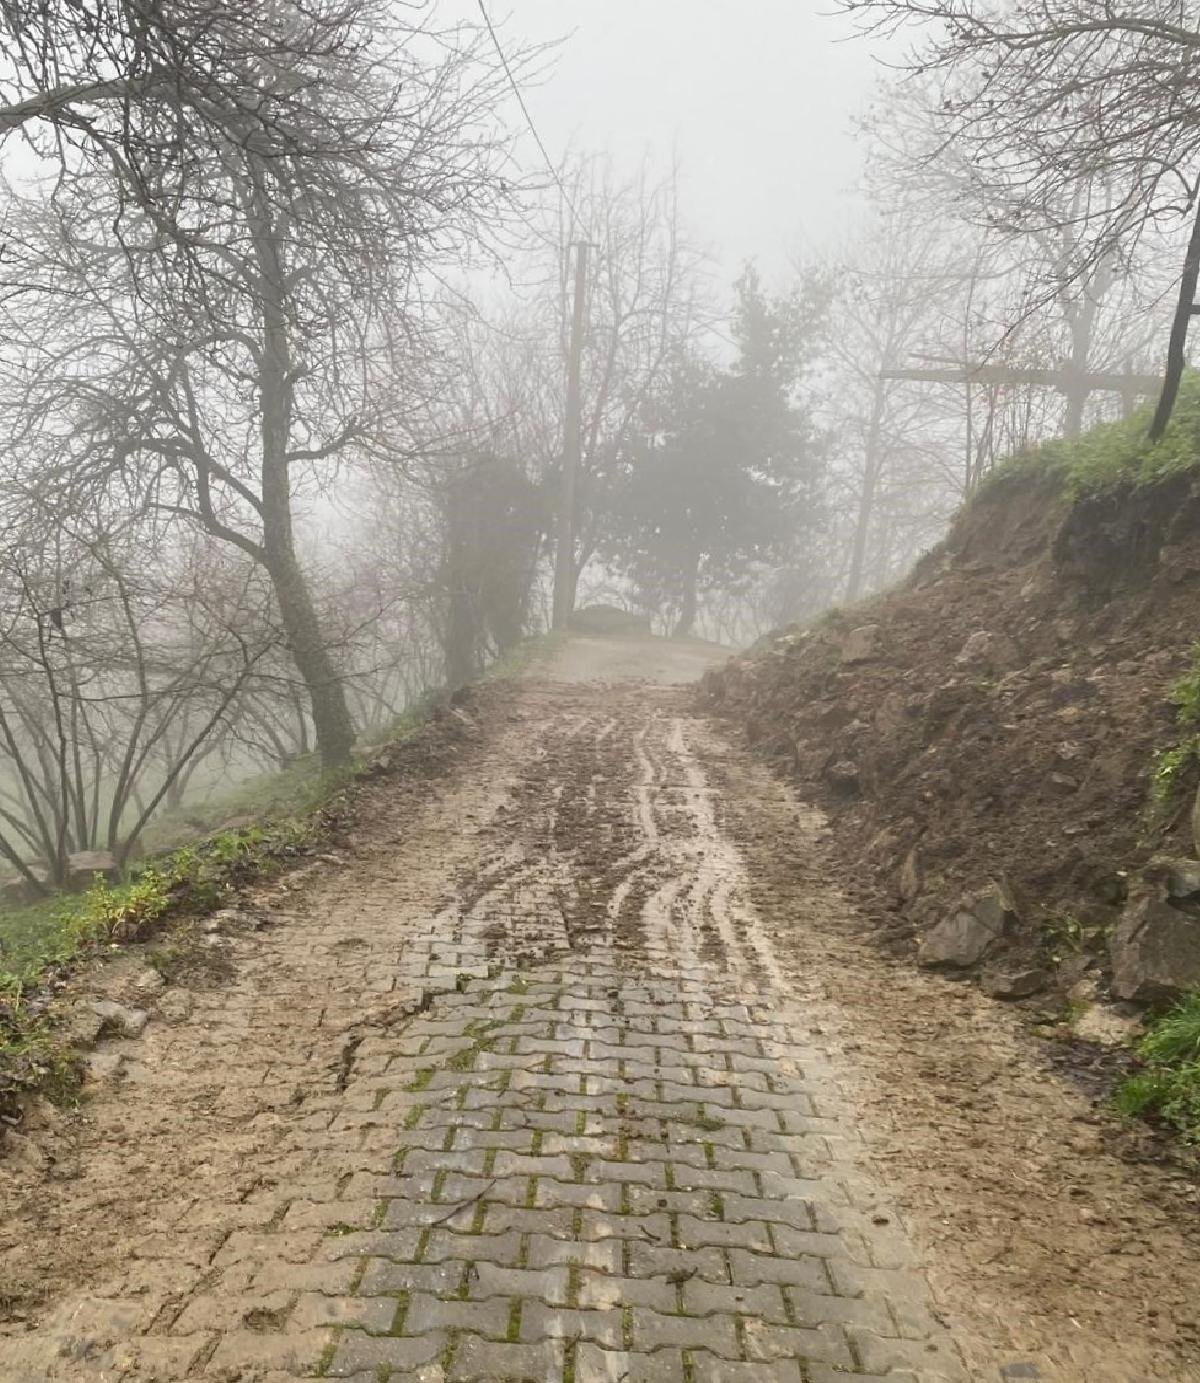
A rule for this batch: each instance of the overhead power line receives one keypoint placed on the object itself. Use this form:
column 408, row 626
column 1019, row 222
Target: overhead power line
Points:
column 576, row 219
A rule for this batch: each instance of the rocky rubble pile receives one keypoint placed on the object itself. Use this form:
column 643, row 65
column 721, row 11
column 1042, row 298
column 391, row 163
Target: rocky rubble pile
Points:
column 983, row 736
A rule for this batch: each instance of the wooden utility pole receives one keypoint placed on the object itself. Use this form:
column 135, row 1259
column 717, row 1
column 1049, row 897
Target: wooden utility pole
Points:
column 1076, row 386
column 564, row 556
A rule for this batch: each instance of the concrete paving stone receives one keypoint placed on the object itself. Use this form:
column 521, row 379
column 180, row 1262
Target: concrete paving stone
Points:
column 708, row 1368
column 748, row 1234
column 504, row 1249
column 610, row 1291
column 372, row 1313
column 596, row 1365
column 936, row 1359
column 248, row 1350
column 439, row 1279
column 539, row 1321
column 486, row 1280
column 600, row 1255
column 373, row 1243
column 426, row 1313
column 824, row 1344
column 357, row 1354
column 492, row 1362
column 747, row 1269
column 766, row 1302
column 652, row 1330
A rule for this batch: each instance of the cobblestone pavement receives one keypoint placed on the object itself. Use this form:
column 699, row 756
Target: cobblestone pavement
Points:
column 525, row 1098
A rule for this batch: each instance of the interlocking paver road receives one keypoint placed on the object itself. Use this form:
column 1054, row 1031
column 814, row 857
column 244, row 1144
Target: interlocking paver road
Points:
column 532, row 1100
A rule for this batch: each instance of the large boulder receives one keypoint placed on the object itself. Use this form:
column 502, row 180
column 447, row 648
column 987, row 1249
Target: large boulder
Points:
column 985, row 651
column 861, row 644
column 971, row 932
column 1155, row 949
column 84, row 865
column 608, row 619
column 15, row 893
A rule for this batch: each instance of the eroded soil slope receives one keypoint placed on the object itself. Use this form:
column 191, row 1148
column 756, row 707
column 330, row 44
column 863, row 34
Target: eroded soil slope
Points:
column 997, row 716
column 575, row 1066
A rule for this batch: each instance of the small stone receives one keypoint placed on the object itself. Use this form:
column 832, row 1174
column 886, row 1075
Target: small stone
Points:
column 149, row 981
column 104, row 1065
column 842, row 776
column 84, row 865
column 1013, row 984
column 24, row 1153
column 1108, row 1025
column 908, row 885
column 83, row 1026
column 175, row 1005
column 1155, row 950
column 1183, row 879
column 129, row 1022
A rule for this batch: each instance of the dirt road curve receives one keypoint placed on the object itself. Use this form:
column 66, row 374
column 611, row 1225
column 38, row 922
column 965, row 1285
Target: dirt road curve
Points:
column 574, row 1067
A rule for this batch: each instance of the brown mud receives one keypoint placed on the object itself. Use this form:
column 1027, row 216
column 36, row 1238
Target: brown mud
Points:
column 233, row 1181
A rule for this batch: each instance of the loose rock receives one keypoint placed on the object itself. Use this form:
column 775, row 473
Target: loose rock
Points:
column 1013, row 984
column 114, row 1017
column 861, row 644
column 965, row 937
column 1155, row 951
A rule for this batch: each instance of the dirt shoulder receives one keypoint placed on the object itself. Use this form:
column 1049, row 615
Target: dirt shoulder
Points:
column 1044, row 1229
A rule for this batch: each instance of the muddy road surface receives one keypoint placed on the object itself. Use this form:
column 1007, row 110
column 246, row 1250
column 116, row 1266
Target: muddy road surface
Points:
column 573, row 1065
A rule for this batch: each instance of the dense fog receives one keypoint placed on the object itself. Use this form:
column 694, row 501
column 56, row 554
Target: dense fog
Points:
column 350, row 343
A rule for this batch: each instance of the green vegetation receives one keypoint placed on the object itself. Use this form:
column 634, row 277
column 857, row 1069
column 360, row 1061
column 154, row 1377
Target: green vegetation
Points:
column 1169, row 1083
column 1114, row 454
column 195, row 879
column 1173, row 766
column 1063, row 934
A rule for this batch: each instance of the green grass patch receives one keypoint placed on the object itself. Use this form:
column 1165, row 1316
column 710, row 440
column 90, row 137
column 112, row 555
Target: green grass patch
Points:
column 30, row 936
column 1172, row 769
column 1168, row 1086
column 189, row 881
column 62, row 929
column 1114, row 454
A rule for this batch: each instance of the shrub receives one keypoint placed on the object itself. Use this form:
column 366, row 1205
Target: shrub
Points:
column 1169, row 1084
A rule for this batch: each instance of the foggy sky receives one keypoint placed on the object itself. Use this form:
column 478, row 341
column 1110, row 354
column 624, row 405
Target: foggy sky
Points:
column 757, row 97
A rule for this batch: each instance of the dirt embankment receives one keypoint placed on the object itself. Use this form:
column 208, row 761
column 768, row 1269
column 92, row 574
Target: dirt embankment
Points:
column 994, row 720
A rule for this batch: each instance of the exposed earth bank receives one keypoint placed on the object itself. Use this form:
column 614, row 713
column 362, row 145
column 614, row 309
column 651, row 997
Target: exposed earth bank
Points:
column 984, row 739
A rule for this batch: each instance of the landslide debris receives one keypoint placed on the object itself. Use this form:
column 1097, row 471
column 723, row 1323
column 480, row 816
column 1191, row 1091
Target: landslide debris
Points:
column 984, row 737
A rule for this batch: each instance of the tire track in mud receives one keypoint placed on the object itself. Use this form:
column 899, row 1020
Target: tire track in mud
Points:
column 615, row 843
column 563, row 1109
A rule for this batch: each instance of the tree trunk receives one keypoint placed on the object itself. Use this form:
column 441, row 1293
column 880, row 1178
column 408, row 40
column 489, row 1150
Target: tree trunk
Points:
column 866, row 500
column 331, row 716
column 1077, row 395
column 690, row 602
column 1179, row 333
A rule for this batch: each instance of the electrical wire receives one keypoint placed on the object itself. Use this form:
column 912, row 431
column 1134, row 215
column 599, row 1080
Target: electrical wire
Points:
column 576, row 219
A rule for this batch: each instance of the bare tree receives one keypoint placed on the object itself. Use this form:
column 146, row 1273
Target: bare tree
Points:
column 1071, row 115
column 273, row 355
column 120, row 661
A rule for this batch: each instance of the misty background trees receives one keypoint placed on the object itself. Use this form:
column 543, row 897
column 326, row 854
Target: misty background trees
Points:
column 286, row 335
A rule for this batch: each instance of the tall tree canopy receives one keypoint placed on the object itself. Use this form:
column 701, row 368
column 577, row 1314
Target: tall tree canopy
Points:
column 722, row 475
